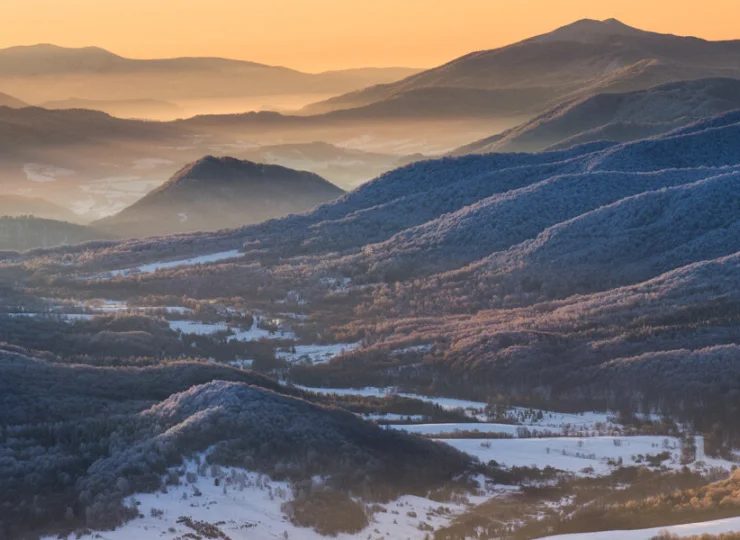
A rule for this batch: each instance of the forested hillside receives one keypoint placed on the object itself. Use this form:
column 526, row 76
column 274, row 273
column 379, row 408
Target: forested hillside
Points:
column 101, row 434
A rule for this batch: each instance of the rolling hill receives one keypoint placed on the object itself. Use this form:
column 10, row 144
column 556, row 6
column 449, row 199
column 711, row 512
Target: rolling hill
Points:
column 135, row 423
column 36, row 127
column 577, row 60
column 215, row 193
column 617, row 117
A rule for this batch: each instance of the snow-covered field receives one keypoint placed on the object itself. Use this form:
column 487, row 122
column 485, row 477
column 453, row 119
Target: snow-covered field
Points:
column 549, row 420
column 719, row 526
column 197, row 327
column 474, row 408
column 69, row 317
column 253, row 334
column 574, row 453
column 153, row 267
column 391, row 417
column 114, row 307
column 439, row 429
column 316, row 354
column 95, row 307
column 249, row 507
column 568, row 453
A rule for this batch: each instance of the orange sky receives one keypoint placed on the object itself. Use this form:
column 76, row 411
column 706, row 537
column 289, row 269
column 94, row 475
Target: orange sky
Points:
column 315, row 35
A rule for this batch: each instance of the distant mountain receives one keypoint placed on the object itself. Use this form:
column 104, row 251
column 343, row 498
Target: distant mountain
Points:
column 216, row 193
column 18, row 205
column 582, row 58
column 617, row 117
column 134, row 108
column 10, row 101
column 23, row 129
column 23, row 233
column 99, row 164
column 440, row 215
column 92, row 73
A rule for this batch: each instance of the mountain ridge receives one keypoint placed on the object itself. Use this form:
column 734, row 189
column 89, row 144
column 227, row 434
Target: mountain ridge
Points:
column 618, row 57
column 93, row 73
column 619, row 117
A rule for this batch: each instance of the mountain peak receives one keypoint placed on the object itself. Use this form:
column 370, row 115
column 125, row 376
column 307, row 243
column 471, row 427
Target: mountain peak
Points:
column 590, row 30
column 222, row 168
column 221, row 192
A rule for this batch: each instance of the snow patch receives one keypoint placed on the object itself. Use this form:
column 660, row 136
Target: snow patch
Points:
column 202, row 259
column 316, row 354
column 571, row 454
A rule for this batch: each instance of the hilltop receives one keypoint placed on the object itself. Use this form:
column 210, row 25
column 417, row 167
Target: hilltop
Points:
column 216, row 193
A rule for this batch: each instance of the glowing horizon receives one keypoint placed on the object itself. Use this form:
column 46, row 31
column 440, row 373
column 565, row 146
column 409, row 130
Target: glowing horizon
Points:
column 336, row 34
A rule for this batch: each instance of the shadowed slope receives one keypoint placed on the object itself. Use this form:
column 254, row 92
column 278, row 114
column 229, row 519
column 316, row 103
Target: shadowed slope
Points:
column 216, row 193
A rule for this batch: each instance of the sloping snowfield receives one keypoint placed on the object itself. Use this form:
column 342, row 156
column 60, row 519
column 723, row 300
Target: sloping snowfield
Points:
column 719, row 526
column 250, row 509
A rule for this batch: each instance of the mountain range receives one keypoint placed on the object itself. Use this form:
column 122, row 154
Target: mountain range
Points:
column 493, row 258
column 43, row 73
column 98, row 164
column 132, row 108
column 577, row 60
column 218, row 193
